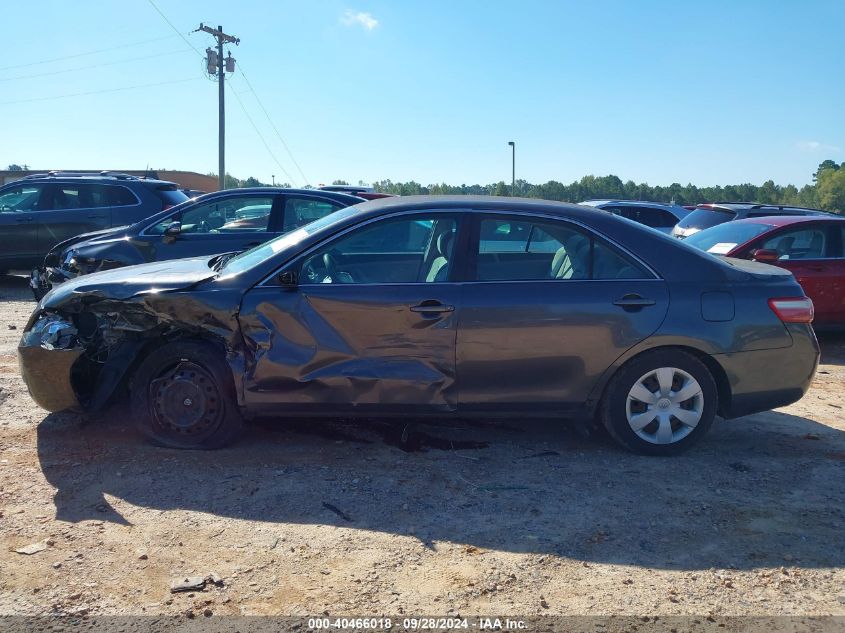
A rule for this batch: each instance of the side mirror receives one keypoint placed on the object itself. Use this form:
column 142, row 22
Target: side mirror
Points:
column 173, row 229
column 765, row 255
column 172, row 232
column 288, row 278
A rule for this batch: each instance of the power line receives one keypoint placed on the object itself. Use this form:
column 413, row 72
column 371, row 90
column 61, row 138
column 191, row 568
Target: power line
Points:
column 261, row 136
column 89, row 67
column 98, row 92
column 74, row 56
column 273, row 125
column 175, row 30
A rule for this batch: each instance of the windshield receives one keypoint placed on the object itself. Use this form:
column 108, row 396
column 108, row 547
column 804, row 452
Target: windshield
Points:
column 254, row 256
column 705, row 218
column 721, row 239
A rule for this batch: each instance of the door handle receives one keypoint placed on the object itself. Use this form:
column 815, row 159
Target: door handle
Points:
column 432, row 307
column 23, row 219
column 96, row 217
column 634, row 301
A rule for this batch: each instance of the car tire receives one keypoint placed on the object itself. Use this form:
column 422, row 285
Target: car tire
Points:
column 660, row 403
column 183, row 396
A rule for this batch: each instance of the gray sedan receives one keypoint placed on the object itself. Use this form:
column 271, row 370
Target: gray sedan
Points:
column 442, row 306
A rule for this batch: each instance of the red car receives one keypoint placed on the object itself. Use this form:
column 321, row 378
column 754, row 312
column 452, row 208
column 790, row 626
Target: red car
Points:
column 812, row 247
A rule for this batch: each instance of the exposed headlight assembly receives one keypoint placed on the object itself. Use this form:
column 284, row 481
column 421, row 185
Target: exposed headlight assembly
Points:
column 52, row 332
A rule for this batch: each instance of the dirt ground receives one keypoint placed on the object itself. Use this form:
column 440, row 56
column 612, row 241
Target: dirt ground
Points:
column 335, row 517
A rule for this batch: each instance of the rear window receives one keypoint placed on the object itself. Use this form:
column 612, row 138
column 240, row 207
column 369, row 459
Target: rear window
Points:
column 120, row 196
column 705, row 218
column 721, row 239
column 170, row 196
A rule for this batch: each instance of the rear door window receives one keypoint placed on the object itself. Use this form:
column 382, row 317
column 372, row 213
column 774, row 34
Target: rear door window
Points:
column 301, row 211
column 120, row 196
column 837, row 234
column 170, row 196
column 523, row 250
column 657, row 218
column 76, row 196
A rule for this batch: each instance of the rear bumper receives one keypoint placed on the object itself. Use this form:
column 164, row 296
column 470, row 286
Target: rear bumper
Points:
column 766, row 379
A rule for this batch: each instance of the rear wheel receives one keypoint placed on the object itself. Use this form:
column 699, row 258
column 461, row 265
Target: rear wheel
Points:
column 661, row 403
column 183, row 396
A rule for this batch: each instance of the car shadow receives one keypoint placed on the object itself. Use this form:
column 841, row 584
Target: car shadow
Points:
column 14, row 286
column 756, row 492
column 833, row 346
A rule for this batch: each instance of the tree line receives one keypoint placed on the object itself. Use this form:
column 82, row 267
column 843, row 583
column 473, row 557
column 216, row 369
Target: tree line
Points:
column 826, row 192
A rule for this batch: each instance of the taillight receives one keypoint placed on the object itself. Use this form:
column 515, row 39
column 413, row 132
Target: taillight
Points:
column 793, row 309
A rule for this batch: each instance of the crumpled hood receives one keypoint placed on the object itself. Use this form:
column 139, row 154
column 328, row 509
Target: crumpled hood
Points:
column 122, row 283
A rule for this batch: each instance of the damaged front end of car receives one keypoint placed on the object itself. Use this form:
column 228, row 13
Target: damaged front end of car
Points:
column 82, row 255
column 87, row 335
column 76, row 360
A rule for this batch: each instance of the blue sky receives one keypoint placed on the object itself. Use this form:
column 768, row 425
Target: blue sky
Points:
column 717, row 92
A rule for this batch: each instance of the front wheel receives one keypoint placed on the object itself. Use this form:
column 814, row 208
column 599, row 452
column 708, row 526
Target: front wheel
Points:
column 183, row 396
column 661, row 403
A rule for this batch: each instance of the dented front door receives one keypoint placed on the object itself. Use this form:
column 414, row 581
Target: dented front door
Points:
column 371, row 326
column 340, row 347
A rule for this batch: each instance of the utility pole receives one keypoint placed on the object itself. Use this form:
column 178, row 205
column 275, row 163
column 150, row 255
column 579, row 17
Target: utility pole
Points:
column 219, row 66
column 513, row 168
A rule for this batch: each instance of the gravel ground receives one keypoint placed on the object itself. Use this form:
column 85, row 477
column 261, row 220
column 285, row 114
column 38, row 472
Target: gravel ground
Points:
column 523, row 518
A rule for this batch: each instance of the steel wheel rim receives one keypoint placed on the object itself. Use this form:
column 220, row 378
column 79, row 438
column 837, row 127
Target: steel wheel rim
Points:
column 664, row 405
column 185, row 402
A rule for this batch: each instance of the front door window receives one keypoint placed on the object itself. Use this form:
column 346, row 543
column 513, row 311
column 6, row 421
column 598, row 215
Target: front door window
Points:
column 399, row 251
column 249, row 214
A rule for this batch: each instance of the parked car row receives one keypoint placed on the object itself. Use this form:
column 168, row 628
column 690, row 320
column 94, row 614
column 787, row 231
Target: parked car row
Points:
column 226, row 221
column 706, row 215
column 40, row 211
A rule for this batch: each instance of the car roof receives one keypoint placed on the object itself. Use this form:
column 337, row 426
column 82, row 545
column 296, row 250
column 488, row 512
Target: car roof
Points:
column 753, row 206
column 381, row 206
column 675, row 208
column 787, row 220
column 333, row 195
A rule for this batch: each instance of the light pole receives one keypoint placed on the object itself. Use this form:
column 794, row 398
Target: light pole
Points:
column 513, row 168
column 273, row 176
